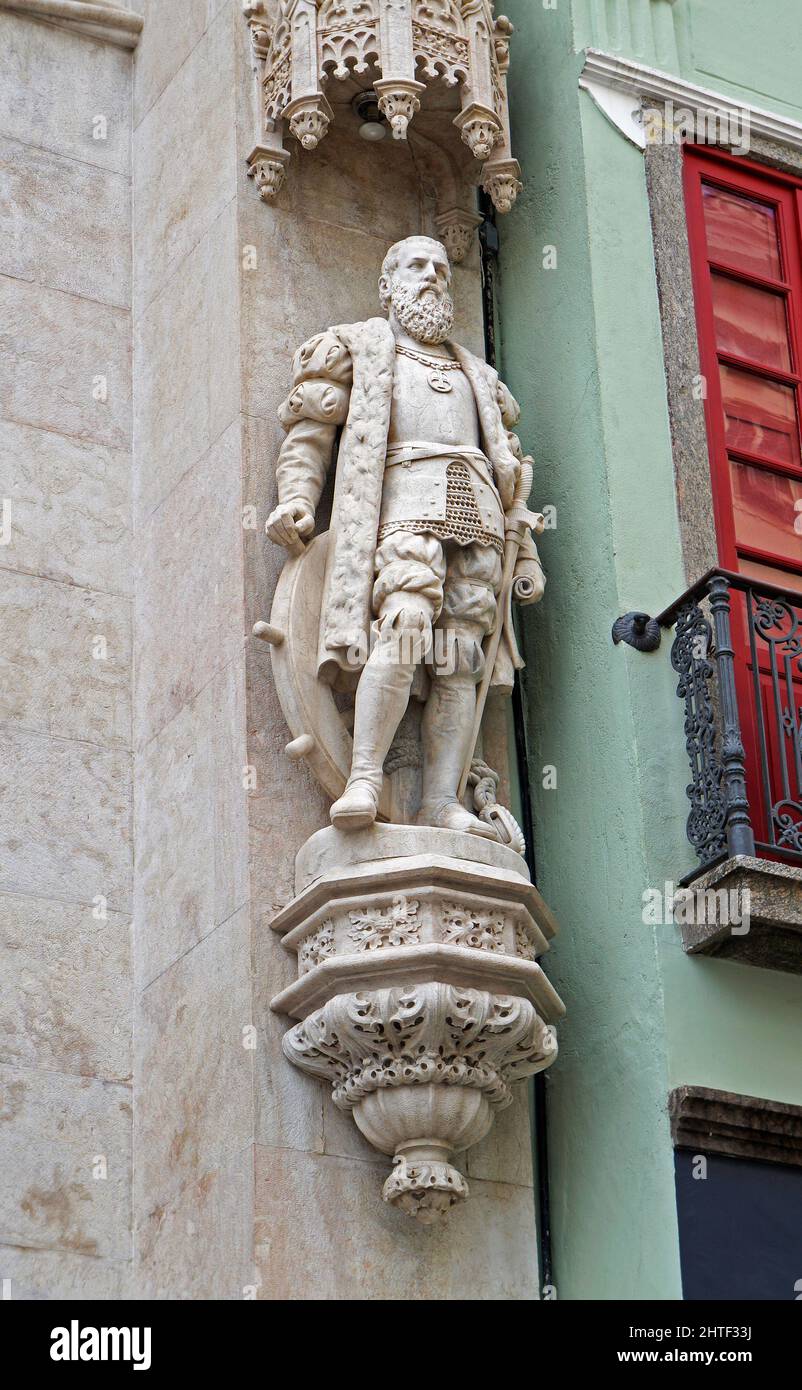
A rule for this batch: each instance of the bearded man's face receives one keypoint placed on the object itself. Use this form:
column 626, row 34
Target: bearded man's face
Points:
column 419, row 292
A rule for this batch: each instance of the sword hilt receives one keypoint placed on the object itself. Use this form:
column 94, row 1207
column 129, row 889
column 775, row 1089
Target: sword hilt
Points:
column 519, row 519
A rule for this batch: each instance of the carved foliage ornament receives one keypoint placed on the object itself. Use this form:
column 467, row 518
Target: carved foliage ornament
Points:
column 418, row 998
column 400, row 46
column 430, row 1059
column 396, row 925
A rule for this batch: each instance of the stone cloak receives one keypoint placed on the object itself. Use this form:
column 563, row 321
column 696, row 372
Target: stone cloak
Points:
column 346, row 613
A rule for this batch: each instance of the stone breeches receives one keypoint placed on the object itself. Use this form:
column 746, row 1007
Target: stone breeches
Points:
column 427, row 583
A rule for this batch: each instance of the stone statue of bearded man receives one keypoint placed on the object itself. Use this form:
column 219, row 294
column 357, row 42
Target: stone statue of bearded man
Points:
column 426, row 475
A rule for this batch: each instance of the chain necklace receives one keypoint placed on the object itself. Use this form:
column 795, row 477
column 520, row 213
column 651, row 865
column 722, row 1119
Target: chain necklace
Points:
column 438, row 366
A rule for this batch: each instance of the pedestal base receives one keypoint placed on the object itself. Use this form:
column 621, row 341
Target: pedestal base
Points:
column 418, row 997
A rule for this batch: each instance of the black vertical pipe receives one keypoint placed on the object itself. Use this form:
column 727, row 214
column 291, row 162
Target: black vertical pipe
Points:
column 740, row 836
column 489, row 244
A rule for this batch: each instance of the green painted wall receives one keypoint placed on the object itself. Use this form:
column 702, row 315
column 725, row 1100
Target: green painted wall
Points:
column 733, row 1027
column 750, row 49
column 747, row 48
column 581, row 348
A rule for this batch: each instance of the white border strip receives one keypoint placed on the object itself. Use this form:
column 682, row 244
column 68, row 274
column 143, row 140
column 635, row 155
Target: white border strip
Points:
column 102, row 21
column 623, row 75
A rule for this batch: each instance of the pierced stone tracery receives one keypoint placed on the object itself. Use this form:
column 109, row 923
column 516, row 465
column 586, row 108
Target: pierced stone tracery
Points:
column 399, row 47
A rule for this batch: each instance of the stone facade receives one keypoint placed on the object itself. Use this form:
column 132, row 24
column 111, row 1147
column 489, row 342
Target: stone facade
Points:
column 154, row 776
column 65, row 711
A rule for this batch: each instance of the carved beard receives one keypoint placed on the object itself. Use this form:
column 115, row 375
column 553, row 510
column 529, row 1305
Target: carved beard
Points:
column 427, row 316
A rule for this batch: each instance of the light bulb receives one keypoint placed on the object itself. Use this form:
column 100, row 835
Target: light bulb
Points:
column 372, row 130
column 372, row 124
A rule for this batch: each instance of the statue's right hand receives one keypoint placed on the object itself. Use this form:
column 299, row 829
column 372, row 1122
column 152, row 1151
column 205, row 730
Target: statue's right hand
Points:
column 290, row 525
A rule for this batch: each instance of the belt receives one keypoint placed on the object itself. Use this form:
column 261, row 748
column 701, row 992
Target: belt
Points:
column 410, row 451
column 460, row 505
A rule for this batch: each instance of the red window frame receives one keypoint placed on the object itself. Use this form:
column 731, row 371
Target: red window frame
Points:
column 702, row 165
column 784, row 192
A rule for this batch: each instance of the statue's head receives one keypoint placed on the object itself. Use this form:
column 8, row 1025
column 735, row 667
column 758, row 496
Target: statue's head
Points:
column 413, row 288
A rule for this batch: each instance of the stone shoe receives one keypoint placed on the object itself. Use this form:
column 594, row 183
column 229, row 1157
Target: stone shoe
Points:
column 357, row 807
column 450, row 814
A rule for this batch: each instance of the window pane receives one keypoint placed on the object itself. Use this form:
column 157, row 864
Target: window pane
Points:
column 760, row 415
column 770, row 574
column 764, row 511
column 751, row 322
column 741, row 232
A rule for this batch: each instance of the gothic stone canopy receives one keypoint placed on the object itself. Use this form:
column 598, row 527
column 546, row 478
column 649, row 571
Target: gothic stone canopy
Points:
column 458, row 50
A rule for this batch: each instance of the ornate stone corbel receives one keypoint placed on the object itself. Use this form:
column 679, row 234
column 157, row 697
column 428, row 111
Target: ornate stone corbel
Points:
column 479, row 128
column 309, row 118
column 501, row 176
column 456, row 228
column 501, row 181
column 398, row 90
column 479, row 122
column 259, row 25
column 418, row 997
column 267, row 166
column 399, row 100
column 308, row 113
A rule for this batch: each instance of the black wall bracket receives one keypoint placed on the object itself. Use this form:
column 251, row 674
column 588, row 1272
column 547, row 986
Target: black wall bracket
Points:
column 638, row 629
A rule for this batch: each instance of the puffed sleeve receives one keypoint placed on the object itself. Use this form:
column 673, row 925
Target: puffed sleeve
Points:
column 316, row 406
column 507, row 404
column 507, row 457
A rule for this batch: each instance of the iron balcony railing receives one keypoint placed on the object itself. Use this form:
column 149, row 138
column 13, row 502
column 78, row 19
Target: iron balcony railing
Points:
column 737, row 650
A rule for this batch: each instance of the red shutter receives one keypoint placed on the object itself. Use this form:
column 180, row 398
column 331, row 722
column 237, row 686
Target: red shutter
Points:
column 746, row 255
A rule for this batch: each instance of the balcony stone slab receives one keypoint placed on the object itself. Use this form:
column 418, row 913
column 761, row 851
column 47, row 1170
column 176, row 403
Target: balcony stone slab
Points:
column 773, row 935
